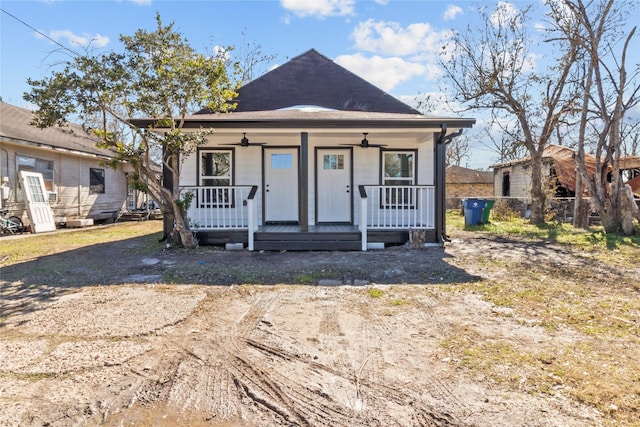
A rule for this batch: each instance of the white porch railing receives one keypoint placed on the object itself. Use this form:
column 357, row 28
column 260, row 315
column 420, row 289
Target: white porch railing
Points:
column 222, row 208
column 396, row 207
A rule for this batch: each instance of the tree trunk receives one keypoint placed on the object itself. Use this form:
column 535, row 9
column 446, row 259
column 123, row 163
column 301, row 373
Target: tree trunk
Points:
column 182, row 230
column 538, row 195
column 581, row 207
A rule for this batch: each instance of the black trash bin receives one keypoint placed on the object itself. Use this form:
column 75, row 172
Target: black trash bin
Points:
column 473, row 209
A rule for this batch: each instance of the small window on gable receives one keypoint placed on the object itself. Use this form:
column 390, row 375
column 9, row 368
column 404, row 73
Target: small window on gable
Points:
column 96, row 181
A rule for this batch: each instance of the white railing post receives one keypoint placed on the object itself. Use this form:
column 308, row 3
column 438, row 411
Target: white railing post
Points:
column 252, row 221
column 363, row 218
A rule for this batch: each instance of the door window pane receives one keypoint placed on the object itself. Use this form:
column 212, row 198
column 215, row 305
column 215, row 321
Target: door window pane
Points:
column 281, row 161
column 35, row 188
column 333, row 161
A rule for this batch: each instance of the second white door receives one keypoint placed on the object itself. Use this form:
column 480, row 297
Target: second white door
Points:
column 334, row 185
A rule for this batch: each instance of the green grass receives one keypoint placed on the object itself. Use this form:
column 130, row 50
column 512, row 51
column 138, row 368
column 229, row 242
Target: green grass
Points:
column 592, row 239
column 598, row 365
column 33, row 246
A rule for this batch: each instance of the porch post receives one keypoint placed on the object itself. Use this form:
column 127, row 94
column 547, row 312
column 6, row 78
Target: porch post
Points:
column 440, row 196
column 441, row 140
column 303, row 179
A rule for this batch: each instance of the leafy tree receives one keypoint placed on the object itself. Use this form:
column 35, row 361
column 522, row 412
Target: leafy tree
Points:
column 491, row 68
column 157, row 75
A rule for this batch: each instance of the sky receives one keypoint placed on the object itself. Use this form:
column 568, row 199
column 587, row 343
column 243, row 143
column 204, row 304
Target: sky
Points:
column 393, row 44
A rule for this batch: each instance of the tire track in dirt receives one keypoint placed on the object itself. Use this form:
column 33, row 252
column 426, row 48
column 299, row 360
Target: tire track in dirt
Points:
column 220, row 365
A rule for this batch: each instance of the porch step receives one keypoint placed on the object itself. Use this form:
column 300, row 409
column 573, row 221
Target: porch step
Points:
column 307, row 241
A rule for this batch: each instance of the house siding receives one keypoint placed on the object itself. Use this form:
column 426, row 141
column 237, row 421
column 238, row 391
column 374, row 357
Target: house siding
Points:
column 70, row 181
column 248, row 162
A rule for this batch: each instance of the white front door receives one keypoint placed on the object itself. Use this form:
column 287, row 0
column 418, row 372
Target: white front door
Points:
column 281, row 185
column 37, row 198
column 334, row 185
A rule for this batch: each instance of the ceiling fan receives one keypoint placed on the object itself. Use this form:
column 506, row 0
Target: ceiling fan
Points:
column 244, row 142
column 365, row 142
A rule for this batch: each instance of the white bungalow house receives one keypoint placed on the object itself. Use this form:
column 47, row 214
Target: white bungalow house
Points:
column 316, row 158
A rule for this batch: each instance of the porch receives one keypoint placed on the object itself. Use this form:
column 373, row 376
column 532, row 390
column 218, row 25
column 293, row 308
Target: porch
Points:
column 386, row 214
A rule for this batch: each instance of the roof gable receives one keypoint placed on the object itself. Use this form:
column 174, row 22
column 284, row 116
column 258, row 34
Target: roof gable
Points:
column 313, row 79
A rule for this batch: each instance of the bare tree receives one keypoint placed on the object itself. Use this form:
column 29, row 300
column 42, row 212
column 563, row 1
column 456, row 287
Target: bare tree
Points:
column 457, row 151
column 609, row 93
column 490, row 68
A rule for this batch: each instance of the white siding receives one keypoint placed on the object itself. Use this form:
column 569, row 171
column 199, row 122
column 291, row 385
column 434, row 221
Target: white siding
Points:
column 366, row 162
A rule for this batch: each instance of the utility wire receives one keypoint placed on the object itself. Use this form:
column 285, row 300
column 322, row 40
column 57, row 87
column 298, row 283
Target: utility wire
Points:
column 41, row 33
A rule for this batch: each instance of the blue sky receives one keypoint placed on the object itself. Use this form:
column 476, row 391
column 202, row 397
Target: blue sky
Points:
column 390, row 43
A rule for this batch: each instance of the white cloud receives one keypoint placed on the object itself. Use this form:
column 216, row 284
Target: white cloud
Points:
column 390, row 38
column 84, row 40
column 385, row 73
column 504, row 13
column 319, row 8
column 141, row 2
column 452, row 12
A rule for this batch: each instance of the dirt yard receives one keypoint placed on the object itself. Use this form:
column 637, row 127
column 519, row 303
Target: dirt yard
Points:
column 129, row 333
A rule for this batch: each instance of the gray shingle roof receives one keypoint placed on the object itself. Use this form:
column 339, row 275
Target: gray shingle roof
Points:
column 15, row 126
column 313, row 79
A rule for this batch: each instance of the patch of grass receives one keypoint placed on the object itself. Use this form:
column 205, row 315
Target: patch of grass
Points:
column 592, row 321
column 314, row 276
column 13, row 251
column 375, row 293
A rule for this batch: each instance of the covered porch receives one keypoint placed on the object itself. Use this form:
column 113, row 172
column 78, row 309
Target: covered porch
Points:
column 385, row 215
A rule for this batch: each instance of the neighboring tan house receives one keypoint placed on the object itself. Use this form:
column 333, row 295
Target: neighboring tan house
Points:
column 465, row 183
column 79, row 186
column 316, row 158
column 512, row 179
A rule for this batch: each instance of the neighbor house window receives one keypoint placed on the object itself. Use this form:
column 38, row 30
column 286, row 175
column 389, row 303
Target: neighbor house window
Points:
column 96, row 181
column 216, row 170
column 398, row 170
column 38, row 165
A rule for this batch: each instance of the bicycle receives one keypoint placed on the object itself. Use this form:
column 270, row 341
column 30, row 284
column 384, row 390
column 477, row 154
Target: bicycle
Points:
column 10, row 225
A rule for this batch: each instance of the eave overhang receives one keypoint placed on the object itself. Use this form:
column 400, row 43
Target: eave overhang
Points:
column 283, row 119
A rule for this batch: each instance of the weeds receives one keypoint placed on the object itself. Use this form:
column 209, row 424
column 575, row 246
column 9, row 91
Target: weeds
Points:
column 592, row 318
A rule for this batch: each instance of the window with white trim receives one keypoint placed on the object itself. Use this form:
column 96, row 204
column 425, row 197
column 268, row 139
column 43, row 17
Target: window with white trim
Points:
column 216, row 171
column 398, row 171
